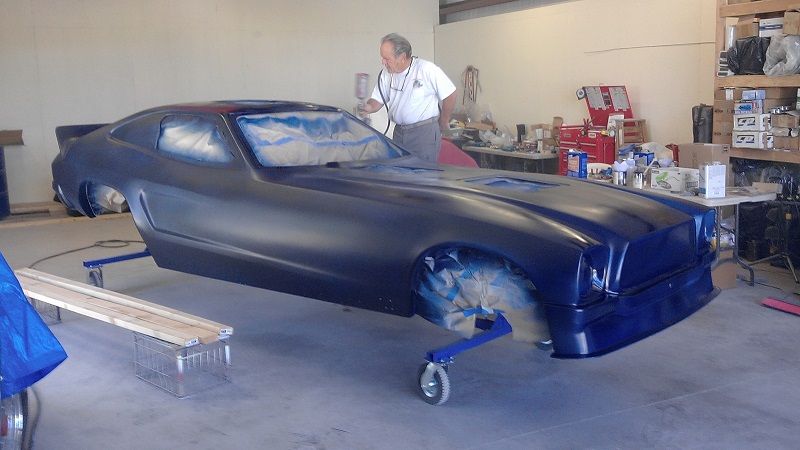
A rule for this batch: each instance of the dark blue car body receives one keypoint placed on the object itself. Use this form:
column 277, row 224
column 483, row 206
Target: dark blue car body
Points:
column 306, row 199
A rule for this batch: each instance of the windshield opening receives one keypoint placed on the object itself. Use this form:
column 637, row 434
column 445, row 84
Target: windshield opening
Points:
column 313, row 139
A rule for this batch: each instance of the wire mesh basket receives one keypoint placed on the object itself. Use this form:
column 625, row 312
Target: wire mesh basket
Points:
column 50, row 314
column 181, row 371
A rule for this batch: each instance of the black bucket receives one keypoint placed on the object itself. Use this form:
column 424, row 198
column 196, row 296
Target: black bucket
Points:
column 5, row 206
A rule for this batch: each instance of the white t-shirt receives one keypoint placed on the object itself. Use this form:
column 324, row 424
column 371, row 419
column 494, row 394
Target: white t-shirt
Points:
column 413, row 95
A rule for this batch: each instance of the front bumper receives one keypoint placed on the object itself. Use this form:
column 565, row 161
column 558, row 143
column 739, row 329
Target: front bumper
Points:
column 619, row 321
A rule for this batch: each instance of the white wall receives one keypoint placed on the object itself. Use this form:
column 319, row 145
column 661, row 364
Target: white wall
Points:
column 90, row 61
column 532, row 62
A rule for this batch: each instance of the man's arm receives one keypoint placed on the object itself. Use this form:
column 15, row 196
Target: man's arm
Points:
column 448, row 105
column 372, row 106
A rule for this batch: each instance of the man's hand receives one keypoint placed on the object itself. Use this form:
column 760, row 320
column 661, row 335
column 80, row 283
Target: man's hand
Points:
column 368, row 108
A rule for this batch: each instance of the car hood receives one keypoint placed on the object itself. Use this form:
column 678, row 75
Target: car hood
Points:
column 585, row 205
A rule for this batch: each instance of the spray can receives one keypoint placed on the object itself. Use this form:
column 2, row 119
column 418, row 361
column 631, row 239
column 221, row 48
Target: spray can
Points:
column 362, row 79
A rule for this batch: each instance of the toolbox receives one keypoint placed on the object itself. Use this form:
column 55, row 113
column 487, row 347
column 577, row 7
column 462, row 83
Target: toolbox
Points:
column 593, row 138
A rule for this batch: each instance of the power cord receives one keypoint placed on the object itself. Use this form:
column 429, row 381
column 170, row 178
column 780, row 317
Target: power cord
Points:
column 110, row 243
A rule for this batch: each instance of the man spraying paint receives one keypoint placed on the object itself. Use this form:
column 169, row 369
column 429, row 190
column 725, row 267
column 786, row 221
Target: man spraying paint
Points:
column 411, row 89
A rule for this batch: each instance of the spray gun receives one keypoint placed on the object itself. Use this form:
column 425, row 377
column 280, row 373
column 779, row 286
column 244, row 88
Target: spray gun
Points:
column 362, row 80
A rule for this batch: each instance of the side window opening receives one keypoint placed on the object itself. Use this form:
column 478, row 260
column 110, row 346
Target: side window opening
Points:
column 193, row 137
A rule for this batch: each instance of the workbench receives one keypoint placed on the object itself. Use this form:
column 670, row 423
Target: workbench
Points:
column 734, row 198
column 519, row 161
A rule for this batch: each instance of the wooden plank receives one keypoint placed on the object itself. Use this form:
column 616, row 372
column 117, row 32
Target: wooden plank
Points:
column 766, row 155
column 757, row 81
column 126, row 300
column 762, row 6
column 103, row 306
column 72, row 301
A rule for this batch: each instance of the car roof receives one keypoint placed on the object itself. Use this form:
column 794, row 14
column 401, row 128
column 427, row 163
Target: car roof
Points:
column 246, row 106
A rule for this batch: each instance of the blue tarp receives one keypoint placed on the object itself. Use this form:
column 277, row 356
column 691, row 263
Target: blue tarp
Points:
column 28, row 349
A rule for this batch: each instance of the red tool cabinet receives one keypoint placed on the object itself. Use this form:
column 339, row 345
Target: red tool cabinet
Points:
column 602, row 102
column 600, row 148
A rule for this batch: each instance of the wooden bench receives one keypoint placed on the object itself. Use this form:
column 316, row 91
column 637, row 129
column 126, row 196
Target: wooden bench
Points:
column 182, row 340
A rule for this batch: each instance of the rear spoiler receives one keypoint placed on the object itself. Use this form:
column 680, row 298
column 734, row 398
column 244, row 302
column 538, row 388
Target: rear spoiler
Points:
column 68, row 132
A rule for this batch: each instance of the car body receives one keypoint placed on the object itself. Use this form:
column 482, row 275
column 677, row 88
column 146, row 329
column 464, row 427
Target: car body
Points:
column 306, row 199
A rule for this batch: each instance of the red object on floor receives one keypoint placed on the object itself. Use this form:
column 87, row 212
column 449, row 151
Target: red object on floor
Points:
column 781, row 306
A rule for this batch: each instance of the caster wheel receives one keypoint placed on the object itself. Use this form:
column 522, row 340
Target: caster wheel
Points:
column 95, row 277
column 433, row 384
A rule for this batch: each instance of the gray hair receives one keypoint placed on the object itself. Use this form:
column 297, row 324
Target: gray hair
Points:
column 399, row 44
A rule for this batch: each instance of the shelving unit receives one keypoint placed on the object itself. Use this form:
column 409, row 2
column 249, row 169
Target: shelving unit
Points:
column 725, row 12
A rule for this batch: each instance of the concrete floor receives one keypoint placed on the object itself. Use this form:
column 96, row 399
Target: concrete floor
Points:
column 312, row 375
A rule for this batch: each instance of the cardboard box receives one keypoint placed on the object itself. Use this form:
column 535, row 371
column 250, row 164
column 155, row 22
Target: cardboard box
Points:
column 767, row 93
column 691, row 179
column 761, row 106
column 724, row 107
column 752, row 139
column 746, row 27
column 768, row 187
column 778, row 92
column 729, row 94
column 787, row 143
column 722, row 133
column 785, row 121
column 11, row 137
column 770, row 27
column 791, row 22
column 724, row 275
column 667, row 178
column 712, row 180
column 577, row 164
column 675, row 179
column 694, row 155
column 751, row 122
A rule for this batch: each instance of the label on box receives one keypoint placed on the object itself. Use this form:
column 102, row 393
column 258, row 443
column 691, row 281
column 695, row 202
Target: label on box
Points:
column 751, row 122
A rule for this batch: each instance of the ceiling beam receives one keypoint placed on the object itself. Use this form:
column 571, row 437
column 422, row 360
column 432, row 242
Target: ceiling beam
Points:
column 467, row 5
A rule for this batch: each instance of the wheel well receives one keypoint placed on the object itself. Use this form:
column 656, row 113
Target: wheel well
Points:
column 98, row 198
column 455, row 285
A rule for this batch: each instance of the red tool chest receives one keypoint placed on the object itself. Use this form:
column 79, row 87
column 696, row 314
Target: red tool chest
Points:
column 600, row 148
column 592, row 138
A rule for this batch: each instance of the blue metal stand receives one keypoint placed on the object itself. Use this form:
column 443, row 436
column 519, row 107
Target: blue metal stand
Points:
column 94, row 267
column 494, row 329
column 432, row 379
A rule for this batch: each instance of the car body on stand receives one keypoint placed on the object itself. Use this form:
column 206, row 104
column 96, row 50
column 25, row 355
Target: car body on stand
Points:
column 307, row 199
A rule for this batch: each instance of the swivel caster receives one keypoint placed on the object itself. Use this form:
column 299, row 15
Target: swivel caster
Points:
column 94, row 276
column 433, row 383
